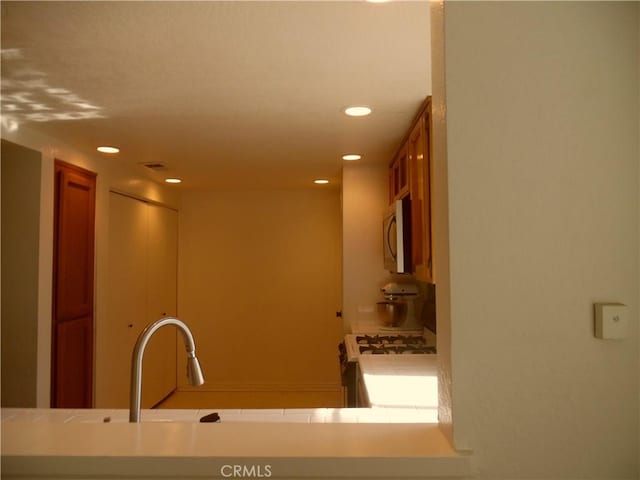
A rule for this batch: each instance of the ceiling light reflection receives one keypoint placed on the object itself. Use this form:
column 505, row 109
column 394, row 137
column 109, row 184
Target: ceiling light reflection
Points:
column 9, row 123
column 351, row 157
column 28, row 96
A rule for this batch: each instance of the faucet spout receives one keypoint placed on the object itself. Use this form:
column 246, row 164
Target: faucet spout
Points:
column 194, row 371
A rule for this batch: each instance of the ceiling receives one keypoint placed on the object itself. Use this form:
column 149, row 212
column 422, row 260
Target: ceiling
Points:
column 225, row 94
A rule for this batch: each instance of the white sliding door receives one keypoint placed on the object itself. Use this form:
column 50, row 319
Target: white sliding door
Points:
column 141, row 288
column 162, row 271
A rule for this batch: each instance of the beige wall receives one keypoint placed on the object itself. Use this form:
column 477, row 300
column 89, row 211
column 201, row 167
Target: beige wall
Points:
column 112, row 174
column 542, row 138
column 440, row 218
column 259, row 272
column 20, row 239
column 364, row 199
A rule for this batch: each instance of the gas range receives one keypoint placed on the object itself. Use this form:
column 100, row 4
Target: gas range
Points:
column 406, row 343
column 354, row 346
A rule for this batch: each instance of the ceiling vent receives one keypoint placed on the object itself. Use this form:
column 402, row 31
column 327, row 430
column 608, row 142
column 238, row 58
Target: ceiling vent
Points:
column 155, row 166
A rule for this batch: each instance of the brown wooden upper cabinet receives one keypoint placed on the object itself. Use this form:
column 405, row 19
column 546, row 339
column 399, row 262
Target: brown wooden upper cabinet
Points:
column 410, row 174
column 399, row 175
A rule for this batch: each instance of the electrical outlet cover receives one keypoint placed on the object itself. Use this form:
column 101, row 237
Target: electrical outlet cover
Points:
column 610, row 321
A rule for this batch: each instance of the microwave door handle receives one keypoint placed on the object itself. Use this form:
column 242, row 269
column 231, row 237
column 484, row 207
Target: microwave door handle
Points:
column 389, row 243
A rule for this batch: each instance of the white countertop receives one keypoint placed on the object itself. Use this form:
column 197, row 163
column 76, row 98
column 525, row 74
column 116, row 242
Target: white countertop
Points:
column 402, row 381
column 62, row 444
column 276, row 415
column 50, row 436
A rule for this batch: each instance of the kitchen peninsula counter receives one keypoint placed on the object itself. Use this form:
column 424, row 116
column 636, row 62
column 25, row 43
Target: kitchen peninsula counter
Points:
column 52, row 444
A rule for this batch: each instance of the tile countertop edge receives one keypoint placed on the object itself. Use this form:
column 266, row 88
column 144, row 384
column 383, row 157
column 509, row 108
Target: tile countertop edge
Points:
column 195, row 450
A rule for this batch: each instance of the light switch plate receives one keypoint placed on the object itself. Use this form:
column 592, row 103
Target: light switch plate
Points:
column 610, row 321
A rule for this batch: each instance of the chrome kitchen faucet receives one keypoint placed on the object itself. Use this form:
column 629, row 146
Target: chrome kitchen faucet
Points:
column 194, row 372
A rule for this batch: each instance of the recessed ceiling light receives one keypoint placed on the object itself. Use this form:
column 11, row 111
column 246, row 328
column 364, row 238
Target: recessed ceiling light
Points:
column 321, row 181
column 106, row 149
column 351, row 156
column 357, row 111
column 173, row 180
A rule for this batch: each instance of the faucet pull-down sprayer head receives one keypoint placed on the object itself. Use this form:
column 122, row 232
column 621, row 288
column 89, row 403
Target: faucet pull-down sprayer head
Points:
column 194, row 371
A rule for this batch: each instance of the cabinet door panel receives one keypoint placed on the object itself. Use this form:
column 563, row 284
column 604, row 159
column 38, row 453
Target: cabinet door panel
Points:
column 429, row 273
column 416, row 146
column 74, row 285
column 73, row 355
column 420, row 192
column 399, row 175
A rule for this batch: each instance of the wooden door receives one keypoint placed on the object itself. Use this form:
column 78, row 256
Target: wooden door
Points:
column 72, row 325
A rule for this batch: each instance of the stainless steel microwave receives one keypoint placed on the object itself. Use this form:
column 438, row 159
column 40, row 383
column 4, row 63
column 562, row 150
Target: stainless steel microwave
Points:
column 396, row 236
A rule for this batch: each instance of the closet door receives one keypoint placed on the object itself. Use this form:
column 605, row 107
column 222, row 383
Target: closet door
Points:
column 162, row 272
column 127, row 298
column 142, row 288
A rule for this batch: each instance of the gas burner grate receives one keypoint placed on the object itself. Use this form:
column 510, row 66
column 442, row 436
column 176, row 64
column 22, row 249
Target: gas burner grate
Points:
column 367, row 339
column 373, row 350
column 422, row 349
column 381, row 349
column 390, row 339
column 410, row 340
